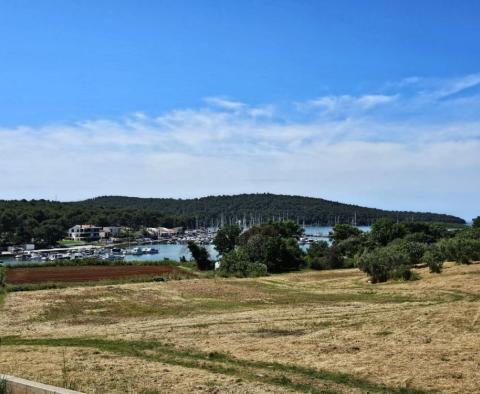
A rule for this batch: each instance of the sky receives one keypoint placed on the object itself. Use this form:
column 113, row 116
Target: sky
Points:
column 375, row 103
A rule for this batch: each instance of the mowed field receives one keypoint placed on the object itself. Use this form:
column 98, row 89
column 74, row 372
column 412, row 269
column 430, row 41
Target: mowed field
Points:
column 317, row 332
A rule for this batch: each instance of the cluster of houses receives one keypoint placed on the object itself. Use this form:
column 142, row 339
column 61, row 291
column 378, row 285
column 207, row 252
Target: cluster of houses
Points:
column 90, row 232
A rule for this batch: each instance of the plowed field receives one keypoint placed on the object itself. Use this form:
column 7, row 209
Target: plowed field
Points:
column 83, row 273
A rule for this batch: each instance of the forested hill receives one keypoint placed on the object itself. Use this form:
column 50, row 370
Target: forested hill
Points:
column 262, row 207
column 47, row 221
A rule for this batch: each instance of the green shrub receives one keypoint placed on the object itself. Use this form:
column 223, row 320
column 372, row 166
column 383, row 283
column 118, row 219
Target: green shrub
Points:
column 348, row 262
column 325, row 258
column 384, row 263
column 317, row 263
column 317, row 249
column 434, row 259
column 236, row 263
column 412, row 249
column 460, row 249
column 353, row 245
column 402, row 272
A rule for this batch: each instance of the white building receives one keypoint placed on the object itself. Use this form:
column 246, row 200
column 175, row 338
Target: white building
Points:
column 84, row 232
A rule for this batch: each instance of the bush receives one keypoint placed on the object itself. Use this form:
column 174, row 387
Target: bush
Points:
column 317, row 249
column 236, row 263
column 413, row 250
column 317, row 263
column 383, row 264
column 402, row 272
column 460, row 249
column 320, row 256
column 434, row 259
column 353, row 245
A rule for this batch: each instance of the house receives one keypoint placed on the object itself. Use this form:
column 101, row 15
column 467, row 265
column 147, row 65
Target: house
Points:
column 84, row 232
column 164, row 232
column 109, row 232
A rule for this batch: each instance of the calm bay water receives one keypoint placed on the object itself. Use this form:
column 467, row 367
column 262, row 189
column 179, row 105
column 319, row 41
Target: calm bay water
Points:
column 175, row 252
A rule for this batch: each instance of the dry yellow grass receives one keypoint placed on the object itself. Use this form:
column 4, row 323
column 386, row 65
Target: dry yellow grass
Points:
column 422, row 334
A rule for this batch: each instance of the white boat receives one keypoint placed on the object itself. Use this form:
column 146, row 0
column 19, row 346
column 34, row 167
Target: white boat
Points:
column 137, row 251
column 150, row 250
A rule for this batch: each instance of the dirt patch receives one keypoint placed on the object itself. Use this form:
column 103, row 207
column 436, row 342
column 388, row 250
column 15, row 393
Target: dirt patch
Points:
column 84, row 273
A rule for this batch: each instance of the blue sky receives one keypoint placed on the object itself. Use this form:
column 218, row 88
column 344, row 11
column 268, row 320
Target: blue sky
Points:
column 372, row 102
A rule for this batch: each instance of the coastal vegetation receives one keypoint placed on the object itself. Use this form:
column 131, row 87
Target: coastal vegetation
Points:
column 46, row 222
column 388, row 251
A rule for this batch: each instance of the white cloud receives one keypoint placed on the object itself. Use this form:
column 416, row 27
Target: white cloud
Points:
column 232, row 147
column 225, row 103
column 346, row 104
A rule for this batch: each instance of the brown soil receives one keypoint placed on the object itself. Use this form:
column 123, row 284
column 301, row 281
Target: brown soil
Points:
column 83, row 273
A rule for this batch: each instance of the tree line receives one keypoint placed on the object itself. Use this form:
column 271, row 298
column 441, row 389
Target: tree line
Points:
column 46, row 222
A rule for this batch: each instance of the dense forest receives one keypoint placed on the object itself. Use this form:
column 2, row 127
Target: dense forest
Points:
column 46, row 221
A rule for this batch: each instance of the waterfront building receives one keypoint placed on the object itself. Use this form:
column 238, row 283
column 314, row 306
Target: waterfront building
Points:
column 84, row 232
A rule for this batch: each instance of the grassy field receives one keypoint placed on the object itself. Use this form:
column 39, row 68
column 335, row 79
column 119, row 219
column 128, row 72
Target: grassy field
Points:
column 314, row 332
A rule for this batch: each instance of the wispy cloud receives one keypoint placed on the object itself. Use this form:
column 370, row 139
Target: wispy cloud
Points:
column 347, row 103
column 380, row 149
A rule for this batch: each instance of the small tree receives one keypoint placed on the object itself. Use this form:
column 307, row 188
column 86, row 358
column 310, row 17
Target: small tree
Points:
column 384, row 231
column 317, row 249
column 353, row 245
column 275, row 245
column 341, row 232
column 236, row 263
column 226, row 239
column 201, row 257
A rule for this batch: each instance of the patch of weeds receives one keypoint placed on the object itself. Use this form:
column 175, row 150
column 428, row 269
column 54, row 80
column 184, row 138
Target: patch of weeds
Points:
column 67, row 381
column 3, row 385
column 383, row 333
column 200, row 325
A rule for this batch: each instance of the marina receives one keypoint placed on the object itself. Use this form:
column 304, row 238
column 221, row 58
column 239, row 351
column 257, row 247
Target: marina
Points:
column 147, row 249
